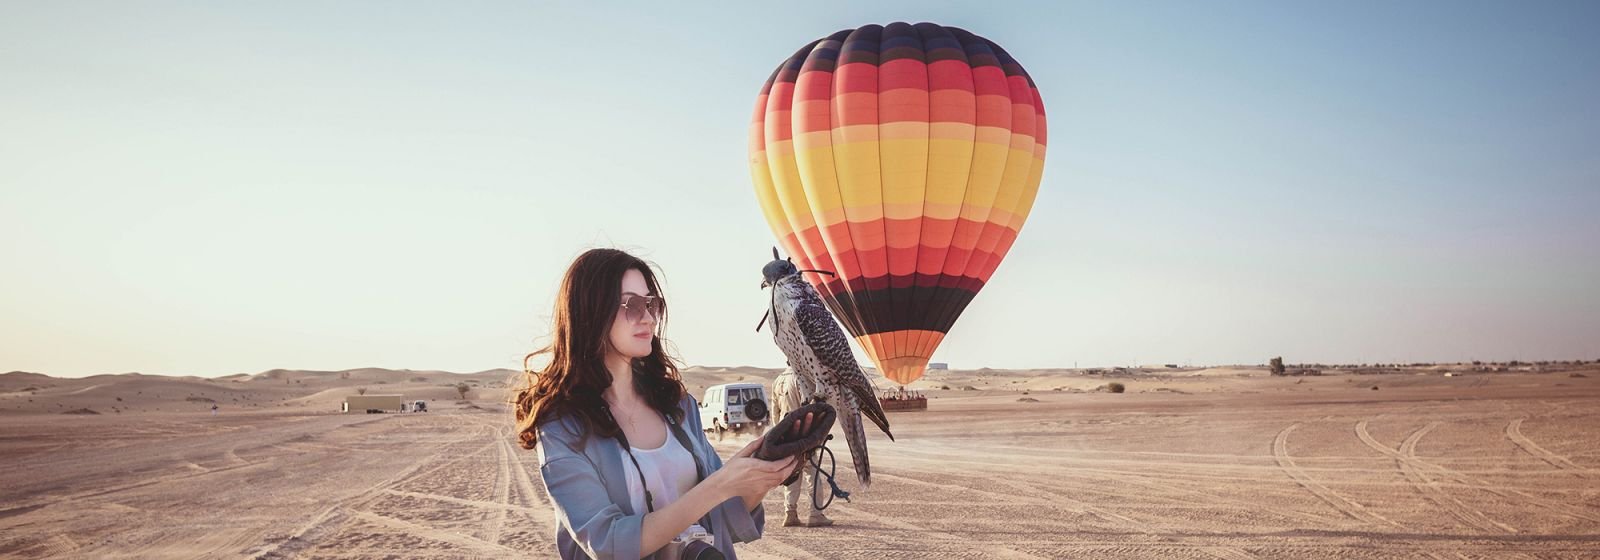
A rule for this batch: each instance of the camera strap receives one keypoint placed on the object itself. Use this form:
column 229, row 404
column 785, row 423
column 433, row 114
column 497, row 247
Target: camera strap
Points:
column 683, row 440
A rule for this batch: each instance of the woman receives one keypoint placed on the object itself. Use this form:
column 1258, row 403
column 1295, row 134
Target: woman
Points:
column 620, row 445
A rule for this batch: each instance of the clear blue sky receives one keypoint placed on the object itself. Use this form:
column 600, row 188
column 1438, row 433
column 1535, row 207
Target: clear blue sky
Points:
column 214, row 188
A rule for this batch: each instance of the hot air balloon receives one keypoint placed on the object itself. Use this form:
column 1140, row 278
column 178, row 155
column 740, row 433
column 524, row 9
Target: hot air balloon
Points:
column 905, row 158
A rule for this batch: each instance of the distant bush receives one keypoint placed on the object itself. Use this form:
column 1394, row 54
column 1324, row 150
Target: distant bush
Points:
column 361, row 390
column 1116, row 387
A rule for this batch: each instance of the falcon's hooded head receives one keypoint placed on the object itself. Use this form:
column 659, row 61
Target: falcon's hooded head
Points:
column 776, row 269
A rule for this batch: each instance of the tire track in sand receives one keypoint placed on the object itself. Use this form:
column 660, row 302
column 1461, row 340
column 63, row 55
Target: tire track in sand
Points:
column 1466, row 479
column 994, row 549
column 502, row 488
column 1059, row 499
column 530, row 492
column 463, row 501
column 1514, row 432
column 334, row 516
column 1227, row 553
column 444, row 536
column 1356, row 511
column 1406, row 458
column 776, row 548
column 532, row 501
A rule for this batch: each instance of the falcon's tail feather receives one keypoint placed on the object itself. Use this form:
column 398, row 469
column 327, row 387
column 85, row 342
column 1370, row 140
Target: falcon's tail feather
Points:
column 855, row 435
column 868, row 404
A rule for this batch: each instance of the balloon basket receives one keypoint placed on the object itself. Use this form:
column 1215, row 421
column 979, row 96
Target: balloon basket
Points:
column 902, row 400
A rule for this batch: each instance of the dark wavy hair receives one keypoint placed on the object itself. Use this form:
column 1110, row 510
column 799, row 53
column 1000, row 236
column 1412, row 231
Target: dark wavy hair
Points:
column 572, row 384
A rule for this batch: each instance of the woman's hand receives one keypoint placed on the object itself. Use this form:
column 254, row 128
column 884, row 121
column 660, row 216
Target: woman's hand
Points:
column 801, row 427
column 743, row 475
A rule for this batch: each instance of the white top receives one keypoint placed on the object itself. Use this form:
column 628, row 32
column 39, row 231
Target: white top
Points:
column 668, row 469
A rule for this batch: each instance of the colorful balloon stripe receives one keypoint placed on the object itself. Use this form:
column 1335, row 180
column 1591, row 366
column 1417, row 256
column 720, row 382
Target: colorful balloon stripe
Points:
column 905, row 158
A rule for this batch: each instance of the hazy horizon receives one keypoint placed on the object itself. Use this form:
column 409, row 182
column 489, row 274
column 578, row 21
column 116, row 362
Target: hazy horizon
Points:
column 867, row 365
column 232, row 188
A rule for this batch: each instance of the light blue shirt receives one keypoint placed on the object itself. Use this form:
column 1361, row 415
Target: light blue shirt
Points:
column 595, row 517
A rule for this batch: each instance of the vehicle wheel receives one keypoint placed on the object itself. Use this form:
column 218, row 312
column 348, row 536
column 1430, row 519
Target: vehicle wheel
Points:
column 755, row 410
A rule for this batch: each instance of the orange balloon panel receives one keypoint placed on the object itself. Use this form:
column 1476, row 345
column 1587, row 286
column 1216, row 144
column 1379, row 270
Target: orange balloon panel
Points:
column 905, row 158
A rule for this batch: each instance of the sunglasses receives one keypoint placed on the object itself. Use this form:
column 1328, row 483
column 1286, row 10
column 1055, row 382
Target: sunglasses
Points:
column 635, row 306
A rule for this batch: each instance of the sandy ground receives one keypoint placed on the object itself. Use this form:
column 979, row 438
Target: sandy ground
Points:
column 1189, row 464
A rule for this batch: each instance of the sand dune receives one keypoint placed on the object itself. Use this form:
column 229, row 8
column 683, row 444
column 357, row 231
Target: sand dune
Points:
column 1188, row 463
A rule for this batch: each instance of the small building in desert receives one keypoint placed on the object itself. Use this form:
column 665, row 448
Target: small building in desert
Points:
column 382, row 403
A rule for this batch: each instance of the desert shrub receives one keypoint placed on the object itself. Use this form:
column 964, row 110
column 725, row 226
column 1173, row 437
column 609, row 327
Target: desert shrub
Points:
column 1116, row 387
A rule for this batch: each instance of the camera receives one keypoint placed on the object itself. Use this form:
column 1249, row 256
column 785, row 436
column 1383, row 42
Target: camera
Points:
column 693, row 543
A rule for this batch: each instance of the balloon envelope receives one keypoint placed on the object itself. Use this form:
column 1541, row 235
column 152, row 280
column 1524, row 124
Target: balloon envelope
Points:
column 905, row 158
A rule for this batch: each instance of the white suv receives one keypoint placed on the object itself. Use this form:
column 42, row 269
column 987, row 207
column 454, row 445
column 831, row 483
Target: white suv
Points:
column 735, row 406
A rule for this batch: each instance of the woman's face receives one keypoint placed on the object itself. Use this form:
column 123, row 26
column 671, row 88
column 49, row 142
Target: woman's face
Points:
column 633, row 327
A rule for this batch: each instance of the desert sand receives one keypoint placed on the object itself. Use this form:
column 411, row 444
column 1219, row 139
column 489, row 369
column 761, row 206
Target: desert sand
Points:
column 1187, row 463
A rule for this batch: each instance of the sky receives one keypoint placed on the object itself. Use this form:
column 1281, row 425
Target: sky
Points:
column 212, row 188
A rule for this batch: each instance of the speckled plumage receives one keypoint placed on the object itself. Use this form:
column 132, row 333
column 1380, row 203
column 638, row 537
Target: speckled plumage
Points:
column 819, row 352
